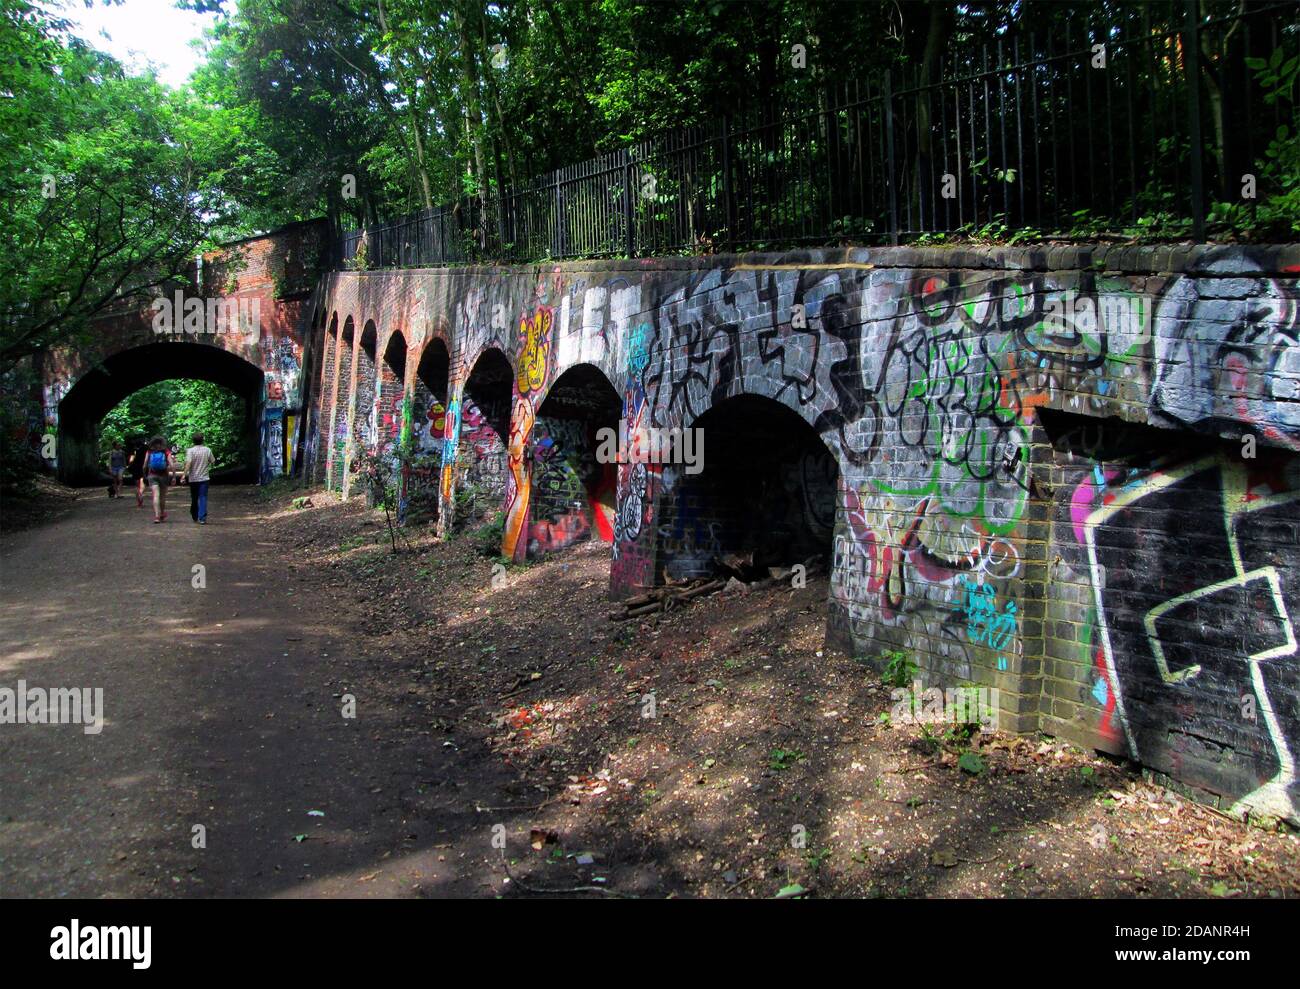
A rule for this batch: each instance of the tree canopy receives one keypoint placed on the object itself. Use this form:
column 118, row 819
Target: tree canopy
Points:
column 362, row 109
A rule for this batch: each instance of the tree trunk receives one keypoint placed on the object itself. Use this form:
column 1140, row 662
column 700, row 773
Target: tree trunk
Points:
column 474, row 119
column 937, row 34
column 418, row 140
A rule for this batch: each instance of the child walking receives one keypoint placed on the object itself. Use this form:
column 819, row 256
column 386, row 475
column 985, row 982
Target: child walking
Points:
column 116, row 467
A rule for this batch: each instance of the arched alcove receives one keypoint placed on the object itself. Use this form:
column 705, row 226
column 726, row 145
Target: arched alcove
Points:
column 573, row 493
column 765, row 492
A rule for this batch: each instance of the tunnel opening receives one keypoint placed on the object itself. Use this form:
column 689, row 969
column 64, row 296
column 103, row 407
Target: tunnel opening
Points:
column 365, row 429
column 390, row 394
column 482, row 454
column 573, row 494
column 765, row 497
column 102, row 389
column 428, row 424
column 177, row 409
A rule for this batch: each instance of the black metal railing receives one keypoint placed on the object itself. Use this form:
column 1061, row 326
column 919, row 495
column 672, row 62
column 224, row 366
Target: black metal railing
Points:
column 1039, row 136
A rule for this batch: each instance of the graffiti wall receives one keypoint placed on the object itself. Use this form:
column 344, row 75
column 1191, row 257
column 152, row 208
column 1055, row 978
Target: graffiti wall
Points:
column 1131, row 591
column 1170, row 608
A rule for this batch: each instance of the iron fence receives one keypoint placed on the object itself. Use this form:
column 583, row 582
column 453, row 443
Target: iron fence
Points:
column 1090, row 132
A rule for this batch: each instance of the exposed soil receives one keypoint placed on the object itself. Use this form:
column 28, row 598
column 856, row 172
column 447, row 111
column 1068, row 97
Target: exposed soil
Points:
column 48, row 500
column 513, row 708
column 758, row 730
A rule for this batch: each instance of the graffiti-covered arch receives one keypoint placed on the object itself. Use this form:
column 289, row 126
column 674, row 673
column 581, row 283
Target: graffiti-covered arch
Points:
column 339, row 447
column 390, row 393
column 326, row 401
column 365, row 428
column 481, row 433
column 747, row 479
column 573, row 487
column 430, row 391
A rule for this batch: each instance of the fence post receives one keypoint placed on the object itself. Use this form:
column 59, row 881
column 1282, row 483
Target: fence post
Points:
column 889, row 159
column 1192, row 53
column 557, row 245
column 629, row 210
column 499, row 208
column 728, row 211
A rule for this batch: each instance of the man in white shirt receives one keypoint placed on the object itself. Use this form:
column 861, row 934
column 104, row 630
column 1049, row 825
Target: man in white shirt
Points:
column 198, row 471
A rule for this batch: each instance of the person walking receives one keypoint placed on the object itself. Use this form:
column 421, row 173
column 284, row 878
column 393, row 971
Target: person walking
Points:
column 139, row 453
column 159, row 464
column 116, row 467
column 198, row 471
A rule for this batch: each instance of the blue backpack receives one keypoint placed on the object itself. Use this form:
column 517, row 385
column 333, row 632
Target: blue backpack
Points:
column 158, row 460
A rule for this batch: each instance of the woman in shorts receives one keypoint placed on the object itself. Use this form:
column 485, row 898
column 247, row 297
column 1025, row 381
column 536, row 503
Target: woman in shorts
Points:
column 159, row 465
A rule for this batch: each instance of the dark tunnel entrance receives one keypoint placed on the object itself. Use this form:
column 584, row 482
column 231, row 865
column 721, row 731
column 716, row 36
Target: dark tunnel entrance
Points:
column 766, row 496
column 102, row 388
column 429, row 406
column 482, row 461
column 573, row 494
column 428, row 421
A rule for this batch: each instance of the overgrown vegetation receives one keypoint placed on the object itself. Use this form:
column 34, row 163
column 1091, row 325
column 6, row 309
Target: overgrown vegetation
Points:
column 487, row 536
column 178, row 408
column 899, row 668
column 381, row 473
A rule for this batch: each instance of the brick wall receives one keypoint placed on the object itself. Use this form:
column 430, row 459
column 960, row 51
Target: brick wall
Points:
column 1069, row 473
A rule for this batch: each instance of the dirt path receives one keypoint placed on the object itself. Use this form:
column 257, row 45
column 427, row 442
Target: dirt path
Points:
column 222, row 709
column 512, row 710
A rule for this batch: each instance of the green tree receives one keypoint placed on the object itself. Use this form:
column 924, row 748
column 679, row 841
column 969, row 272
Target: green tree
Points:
column 106, row 181
column 178, row 408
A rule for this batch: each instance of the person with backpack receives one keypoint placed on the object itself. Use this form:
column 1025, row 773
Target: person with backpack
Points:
column 159, row 465
column 198, row 471
column 139, row 453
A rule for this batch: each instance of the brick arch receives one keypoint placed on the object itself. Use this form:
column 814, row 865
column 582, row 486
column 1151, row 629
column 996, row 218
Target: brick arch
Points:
column 361, row 426
column 422, row 341
column 337, row 451
column 245, row 329
column 582, row 368
column 429, row 372
column 573, row 488
column 317, row 466
column 777, row 392
column 428, row 380
column 479, row 431
column 392, row 408
column 95, row 392
column 762, row 482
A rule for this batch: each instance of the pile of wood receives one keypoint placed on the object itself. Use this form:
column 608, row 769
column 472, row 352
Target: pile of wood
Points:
column 735, row 573
column 665, row 598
